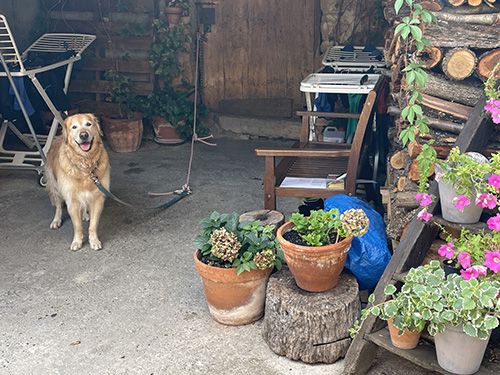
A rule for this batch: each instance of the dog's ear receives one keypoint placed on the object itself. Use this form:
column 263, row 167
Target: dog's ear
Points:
column 65, row 127
column 95, row 121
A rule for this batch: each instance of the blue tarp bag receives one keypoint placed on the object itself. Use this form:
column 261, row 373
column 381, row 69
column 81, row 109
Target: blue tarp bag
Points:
column 369, row 254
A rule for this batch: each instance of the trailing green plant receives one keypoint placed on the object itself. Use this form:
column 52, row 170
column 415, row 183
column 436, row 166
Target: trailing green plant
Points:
column 415, row 77
column 183, row 4
column 168, row 43
column 403, row 307
column 122, row 93
column 329, row 227
column 440, row 301
column 245, row 246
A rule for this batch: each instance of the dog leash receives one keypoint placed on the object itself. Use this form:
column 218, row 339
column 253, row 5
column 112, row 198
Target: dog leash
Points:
column 179, row 194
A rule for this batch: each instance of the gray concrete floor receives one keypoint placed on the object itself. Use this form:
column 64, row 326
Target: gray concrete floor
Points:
column 137, row 306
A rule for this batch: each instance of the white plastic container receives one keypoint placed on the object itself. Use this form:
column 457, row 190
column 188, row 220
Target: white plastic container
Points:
column 333, row 135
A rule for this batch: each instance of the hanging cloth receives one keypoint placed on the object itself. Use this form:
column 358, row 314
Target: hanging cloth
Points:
column 355, row 101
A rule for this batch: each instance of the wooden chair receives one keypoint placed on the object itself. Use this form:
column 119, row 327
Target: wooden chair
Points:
column 318, row 159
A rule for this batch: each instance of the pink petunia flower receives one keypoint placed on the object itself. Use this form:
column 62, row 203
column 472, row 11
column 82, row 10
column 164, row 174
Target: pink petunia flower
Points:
column 473, row 272
column 493, row 107
column 447, row 250
column 486, row 200
column 494, row 180
column 494, row 222
column 460, row 202
column 464, row 259
column 424, row 215
column 492, row 260
column 424, row 199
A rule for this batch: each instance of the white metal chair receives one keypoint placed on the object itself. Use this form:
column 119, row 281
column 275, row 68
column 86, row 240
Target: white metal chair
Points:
column 13, row 65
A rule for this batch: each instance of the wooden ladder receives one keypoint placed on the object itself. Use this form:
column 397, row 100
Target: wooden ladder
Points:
column 410, row 253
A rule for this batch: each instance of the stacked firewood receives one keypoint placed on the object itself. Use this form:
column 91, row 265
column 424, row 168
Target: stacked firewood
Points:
column 464, row 49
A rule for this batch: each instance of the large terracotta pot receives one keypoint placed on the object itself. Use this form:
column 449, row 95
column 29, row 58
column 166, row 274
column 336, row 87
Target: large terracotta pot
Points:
column 314, row 268
column 407, row 340
column 233, row 299
column 123, row 135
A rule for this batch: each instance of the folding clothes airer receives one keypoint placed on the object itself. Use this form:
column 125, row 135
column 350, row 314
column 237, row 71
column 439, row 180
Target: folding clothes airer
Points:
column 13, row 64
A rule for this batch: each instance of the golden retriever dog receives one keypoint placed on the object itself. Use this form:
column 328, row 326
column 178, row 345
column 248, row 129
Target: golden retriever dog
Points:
column 73, row 158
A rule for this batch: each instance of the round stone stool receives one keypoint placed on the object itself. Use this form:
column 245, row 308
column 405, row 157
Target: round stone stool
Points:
column 311, row 327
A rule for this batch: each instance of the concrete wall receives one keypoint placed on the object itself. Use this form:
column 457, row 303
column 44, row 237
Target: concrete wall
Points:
column 22, row 16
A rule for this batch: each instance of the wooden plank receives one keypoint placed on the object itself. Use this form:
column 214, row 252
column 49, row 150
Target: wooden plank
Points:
column 104, row 87
column 257, row 107
column 258, row 46
column 103, row 64
column 309, row 193
column 302, row 153
column 328, row 114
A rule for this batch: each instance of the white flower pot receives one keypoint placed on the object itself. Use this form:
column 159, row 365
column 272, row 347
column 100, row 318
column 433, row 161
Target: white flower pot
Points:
column 470, row 213
column 458, row 352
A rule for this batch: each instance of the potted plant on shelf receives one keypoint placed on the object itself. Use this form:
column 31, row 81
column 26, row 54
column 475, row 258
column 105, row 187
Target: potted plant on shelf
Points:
column 123, row 130
column 402, row 311
column 466, row 186
column 234, row 261
column 316, row 246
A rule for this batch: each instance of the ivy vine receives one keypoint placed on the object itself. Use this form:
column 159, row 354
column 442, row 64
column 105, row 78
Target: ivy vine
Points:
column 415, row 77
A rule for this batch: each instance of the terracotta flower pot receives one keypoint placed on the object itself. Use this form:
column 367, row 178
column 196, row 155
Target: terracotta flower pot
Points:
column 314, row 268
column 233, row 299
column 165, row 133
column 173, row 15
column 407, row 340
column 123, row 135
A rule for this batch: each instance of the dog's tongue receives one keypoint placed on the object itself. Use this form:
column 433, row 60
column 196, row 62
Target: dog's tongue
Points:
column 85, row 146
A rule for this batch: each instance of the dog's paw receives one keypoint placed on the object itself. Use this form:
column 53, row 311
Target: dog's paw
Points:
column 95, row 244
column 56, row 224
column 76, row 245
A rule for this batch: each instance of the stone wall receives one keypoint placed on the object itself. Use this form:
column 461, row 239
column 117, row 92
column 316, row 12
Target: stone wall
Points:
column 351, row 21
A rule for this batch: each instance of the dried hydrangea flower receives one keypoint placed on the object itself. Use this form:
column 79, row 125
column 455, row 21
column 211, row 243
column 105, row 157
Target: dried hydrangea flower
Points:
column 264, row 259
column 225, row 245
column 355, row 222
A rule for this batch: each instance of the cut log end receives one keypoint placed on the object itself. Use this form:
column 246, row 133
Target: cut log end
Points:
column 459, row 63
column 430, row 57
column 456, row 3
column 397, row 160
column 487, row 63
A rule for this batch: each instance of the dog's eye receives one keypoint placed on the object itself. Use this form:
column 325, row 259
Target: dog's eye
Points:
column 88, row 124
column 73, row 127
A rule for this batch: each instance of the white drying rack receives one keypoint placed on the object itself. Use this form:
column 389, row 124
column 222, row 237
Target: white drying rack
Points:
column 353, row 61
column 9, row 55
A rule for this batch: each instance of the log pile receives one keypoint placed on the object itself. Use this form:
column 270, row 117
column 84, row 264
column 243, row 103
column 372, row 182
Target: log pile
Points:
column 464, row 49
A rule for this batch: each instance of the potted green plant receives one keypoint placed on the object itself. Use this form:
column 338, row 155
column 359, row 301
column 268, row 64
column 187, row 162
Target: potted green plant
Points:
column 171, row 107
column 316, row 246
column 402, row 311
column 123, row 129
column 174, row 10
column 235, row 261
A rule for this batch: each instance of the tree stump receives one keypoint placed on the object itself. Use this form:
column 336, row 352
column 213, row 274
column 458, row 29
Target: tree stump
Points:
column 266, row 217
column 311, row 327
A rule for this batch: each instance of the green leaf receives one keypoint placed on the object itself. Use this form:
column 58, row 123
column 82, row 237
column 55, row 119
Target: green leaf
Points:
column 375, row 310
column 490, row 322
column 470, row 329
column 389, row 290
column 397, row 5
column 371, row 298
column 468, row 304
column 416, row 32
